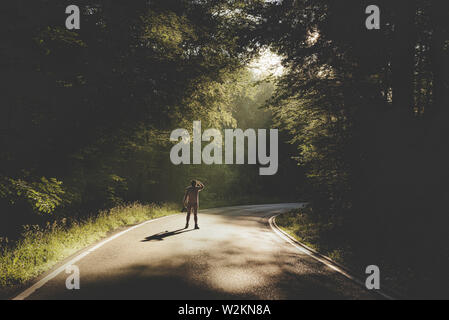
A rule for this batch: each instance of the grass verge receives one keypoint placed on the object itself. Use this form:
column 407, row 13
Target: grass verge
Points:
column 41, row 248
column 321, row 236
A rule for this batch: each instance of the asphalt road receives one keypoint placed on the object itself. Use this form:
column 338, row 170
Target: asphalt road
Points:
column 235, row 255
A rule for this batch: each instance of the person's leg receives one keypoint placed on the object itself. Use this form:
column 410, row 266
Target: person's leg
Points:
column 189, row 210
column 195, row 214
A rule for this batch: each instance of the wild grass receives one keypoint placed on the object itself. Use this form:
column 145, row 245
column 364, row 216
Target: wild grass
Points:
column 319, row 234
column 40, row 248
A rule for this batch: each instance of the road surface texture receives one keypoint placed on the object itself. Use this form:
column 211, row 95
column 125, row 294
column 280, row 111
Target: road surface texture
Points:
column 235, row 255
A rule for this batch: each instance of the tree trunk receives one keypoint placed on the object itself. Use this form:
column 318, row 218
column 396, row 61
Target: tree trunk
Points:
column 439, row 11
column 403, row 61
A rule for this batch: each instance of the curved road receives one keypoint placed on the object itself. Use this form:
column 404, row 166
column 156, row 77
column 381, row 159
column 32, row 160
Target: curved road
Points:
column 235, row 255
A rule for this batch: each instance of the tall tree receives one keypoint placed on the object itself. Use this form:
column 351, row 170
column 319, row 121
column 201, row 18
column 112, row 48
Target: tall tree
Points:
column 403, row 58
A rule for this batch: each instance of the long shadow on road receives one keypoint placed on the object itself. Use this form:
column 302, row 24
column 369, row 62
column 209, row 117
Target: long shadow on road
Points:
column 162, row 235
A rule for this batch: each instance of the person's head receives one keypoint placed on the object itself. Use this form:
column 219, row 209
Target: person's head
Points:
column 193, row 183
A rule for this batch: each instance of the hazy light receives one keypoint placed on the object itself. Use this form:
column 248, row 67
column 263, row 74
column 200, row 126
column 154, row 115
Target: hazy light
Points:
column 312, row 37
column 267, row 64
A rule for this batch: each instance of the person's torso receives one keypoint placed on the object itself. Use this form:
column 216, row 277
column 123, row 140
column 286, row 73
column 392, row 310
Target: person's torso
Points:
column 193, row 195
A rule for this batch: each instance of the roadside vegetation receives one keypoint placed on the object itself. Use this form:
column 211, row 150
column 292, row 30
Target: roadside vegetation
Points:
column 322, row 236
column 356, row 249
column 40, row 248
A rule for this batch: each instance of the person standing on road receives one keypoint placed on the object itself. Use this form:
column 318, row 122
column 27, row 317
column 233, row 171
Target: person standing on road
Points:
column 191, row 201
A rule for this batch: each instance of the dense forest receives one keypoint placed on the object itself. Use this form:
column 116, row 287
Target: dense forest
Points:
column 86, row 114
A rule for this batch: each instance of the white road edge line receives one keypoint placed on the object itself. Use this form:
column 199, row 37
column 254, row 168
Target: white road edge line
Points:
column 25, row 294
column 328, row 262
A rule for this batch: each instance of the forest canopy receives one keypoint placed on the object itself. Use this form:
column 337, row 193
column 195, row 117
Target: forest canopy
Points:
column 87, row 113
